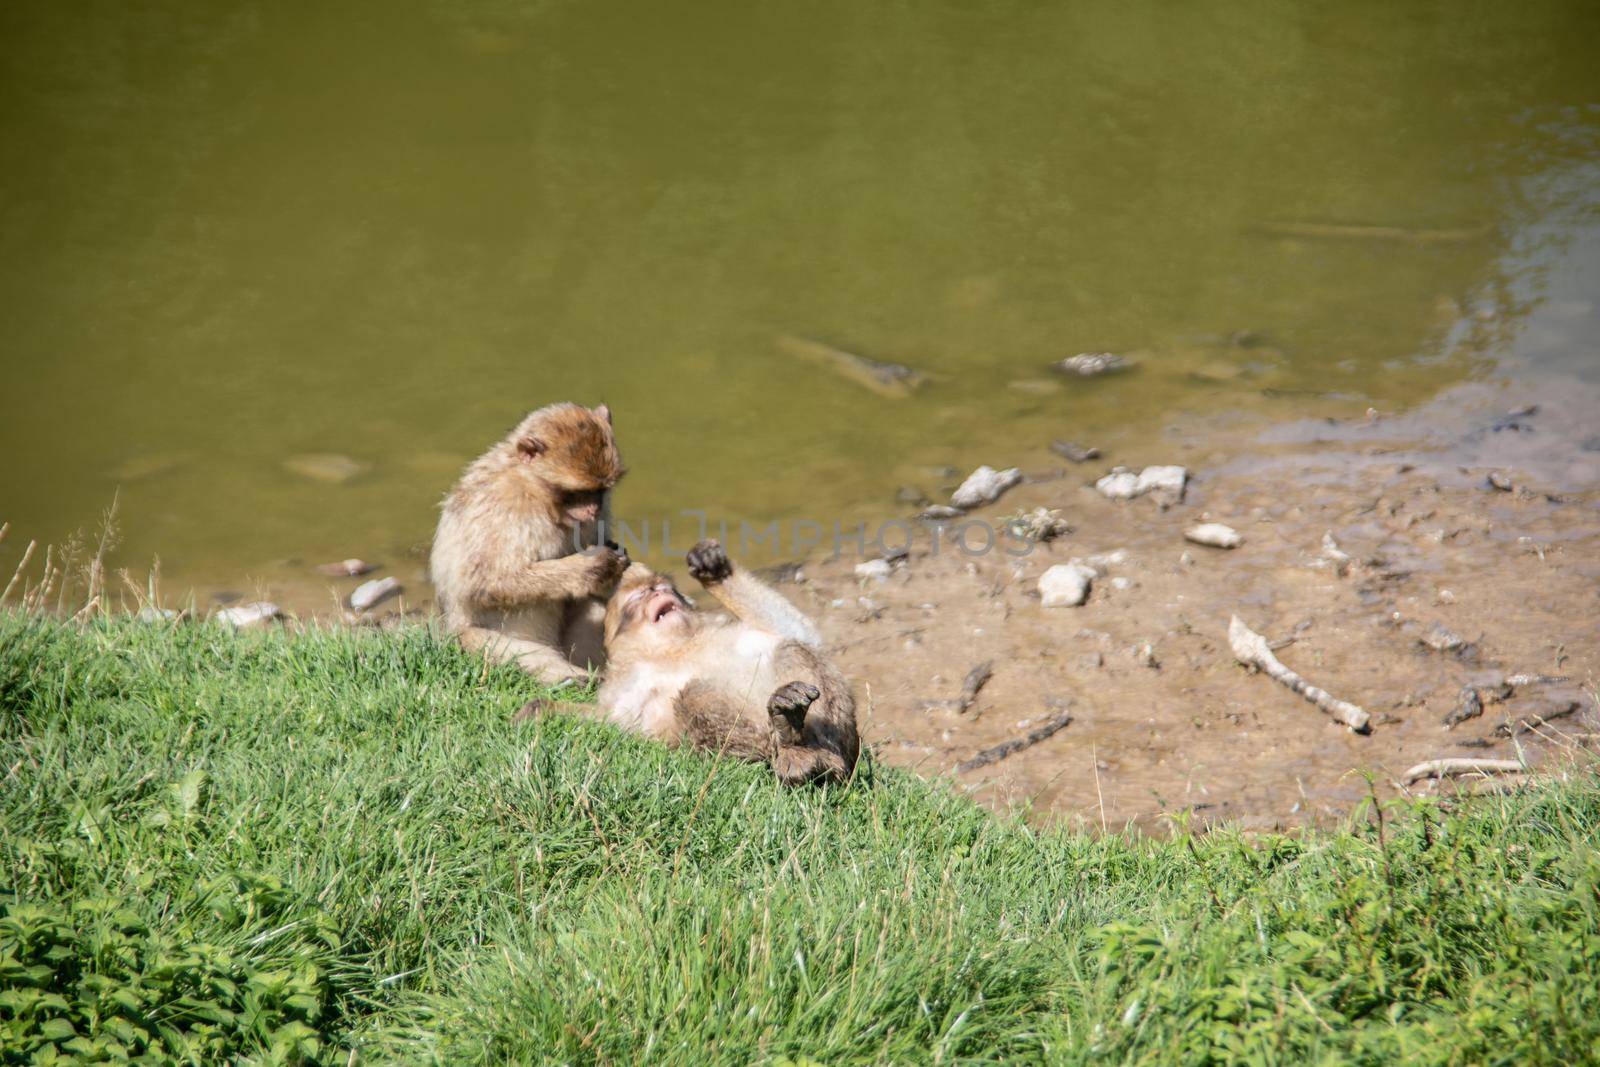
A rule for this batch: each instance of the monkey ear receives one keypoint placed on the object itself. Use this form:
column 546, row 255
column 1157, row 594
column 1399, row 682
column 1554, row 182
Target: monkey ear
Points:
column 530, row 448
column 604, row 411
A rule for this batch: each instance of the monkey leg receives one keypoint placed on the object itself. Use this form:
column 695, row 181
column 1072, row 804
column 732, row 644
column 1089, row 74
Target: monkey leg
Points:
column 543, row 662
column 827, row 745
column 714, row 719
column 787, row 708
column 583, row 632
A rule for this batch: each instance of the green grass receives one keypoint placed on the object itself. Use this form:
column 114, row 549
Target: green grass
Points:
column 220, row 847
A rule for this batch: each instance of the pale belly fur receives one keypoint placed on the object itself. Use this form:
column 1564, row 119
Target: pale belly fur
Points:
column 643, row 700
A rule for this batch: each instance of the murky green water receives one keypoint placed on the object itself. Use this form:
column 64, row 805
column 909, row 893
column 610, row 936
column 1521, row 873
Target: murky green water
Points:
column 232, row 232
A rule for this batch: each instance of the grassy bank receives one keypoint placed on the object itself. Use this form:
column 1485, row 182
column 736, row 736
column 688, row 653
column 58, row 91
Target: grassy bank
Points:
column 220, row 846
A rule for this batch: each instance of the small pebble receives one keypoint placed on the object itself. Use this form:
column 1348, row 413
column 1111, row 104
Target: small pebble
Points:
column 1214, row 534
column 1442, row 640
column 1073, row 451
column 1092, row 364
column 874, row 570
column 346, row 568
column 1499, row 481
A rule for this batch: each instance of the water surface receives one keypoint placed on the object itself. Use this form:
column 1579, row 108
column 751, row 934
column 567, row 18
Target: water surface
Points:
column 233, row 232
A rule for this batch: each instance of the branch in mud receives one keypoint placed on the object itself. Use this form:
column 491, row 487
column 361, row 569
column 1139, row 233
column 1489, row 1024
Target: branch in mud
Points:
column 1251, row 649
column 1512, row 728
column 976, row 678
column 1451, row 768
column 1051, row 726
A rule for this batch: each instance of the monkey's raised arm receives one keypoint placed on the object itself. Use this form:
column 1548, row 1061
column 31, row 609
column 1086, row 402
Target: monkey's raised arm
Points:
column 749, row 599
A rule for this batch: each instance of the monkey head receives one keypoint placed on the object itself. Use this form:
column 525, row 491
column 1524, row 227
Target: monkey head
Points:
column 647, row 612
column 572, row 451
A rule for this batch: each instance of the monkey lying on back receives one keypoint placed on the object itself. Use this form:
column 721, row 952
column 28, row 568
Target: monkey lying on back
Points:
column 505, row 564
column 755, row 687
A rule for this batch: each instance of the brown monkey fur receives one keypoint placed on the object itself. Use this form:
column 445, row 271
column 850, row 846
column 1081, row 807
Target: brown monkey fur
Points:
column 756, row 687
column 505, row 564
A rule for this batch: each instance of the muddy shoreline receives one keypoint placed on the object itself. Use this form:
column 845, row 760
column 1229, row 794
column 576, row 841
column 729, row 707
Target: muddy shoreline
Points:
column 1162, row 718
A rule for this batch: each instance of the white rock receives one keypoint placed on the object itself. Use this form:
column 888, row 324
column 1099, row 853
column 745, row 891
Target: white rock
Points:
column 1120, row 582
column 1066, row 585
column 1120, row 484
column 1123, row 484
column 368, row 595
column 873, row 570
column 984, row 486
column 1169, row 479
column 252, row 614
column 1214, row 534
column 1101, row 560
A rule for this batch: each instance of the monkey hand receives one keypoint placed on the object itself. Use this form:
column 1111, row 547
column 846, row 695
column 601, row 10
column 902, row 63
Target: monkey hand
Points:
column 788, row 706
column 602, row 567
column 708, row 562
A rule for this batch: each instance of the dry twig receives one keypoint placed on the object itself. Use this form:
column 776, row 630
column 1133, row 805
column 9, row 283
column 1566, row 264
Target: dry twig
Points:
column 1051, row 726
column 1450, row 768
column 1251, row 648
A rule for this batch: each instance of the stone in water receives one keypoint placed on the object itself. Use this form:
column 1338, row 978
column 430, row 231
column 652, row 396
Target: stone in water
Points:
column 1074, row 451
column 346, row 568
column 331, row 467
column 1092, row 364
column 984, row 486
column 368, row 595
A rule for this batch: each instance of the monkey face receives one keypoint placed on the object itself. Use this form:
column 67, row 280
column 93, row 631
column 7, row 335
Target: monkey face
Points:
column 656, row 604
column 647, row 609
column 581, row 506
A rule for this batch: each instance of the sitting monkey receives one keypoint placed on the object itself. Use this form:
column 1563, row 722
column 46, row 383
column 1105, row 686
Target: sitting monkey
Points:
column 755, row 686
column 506, row 566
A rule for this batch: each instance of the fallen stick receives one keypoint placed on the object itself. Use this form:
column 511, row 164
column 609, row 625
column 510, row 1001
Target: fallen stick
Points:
column 1051, row 726
column 976, row 678
column 1449, row 768
column 973, row 682
column 1531, row 721
column 1251, row 649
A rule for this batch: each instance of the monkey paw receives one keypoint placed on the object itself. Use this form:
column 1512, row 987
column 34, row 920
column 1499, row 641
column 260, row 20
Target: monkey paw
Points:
column 788, row 706
column 708, row 562
column 605, row 568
